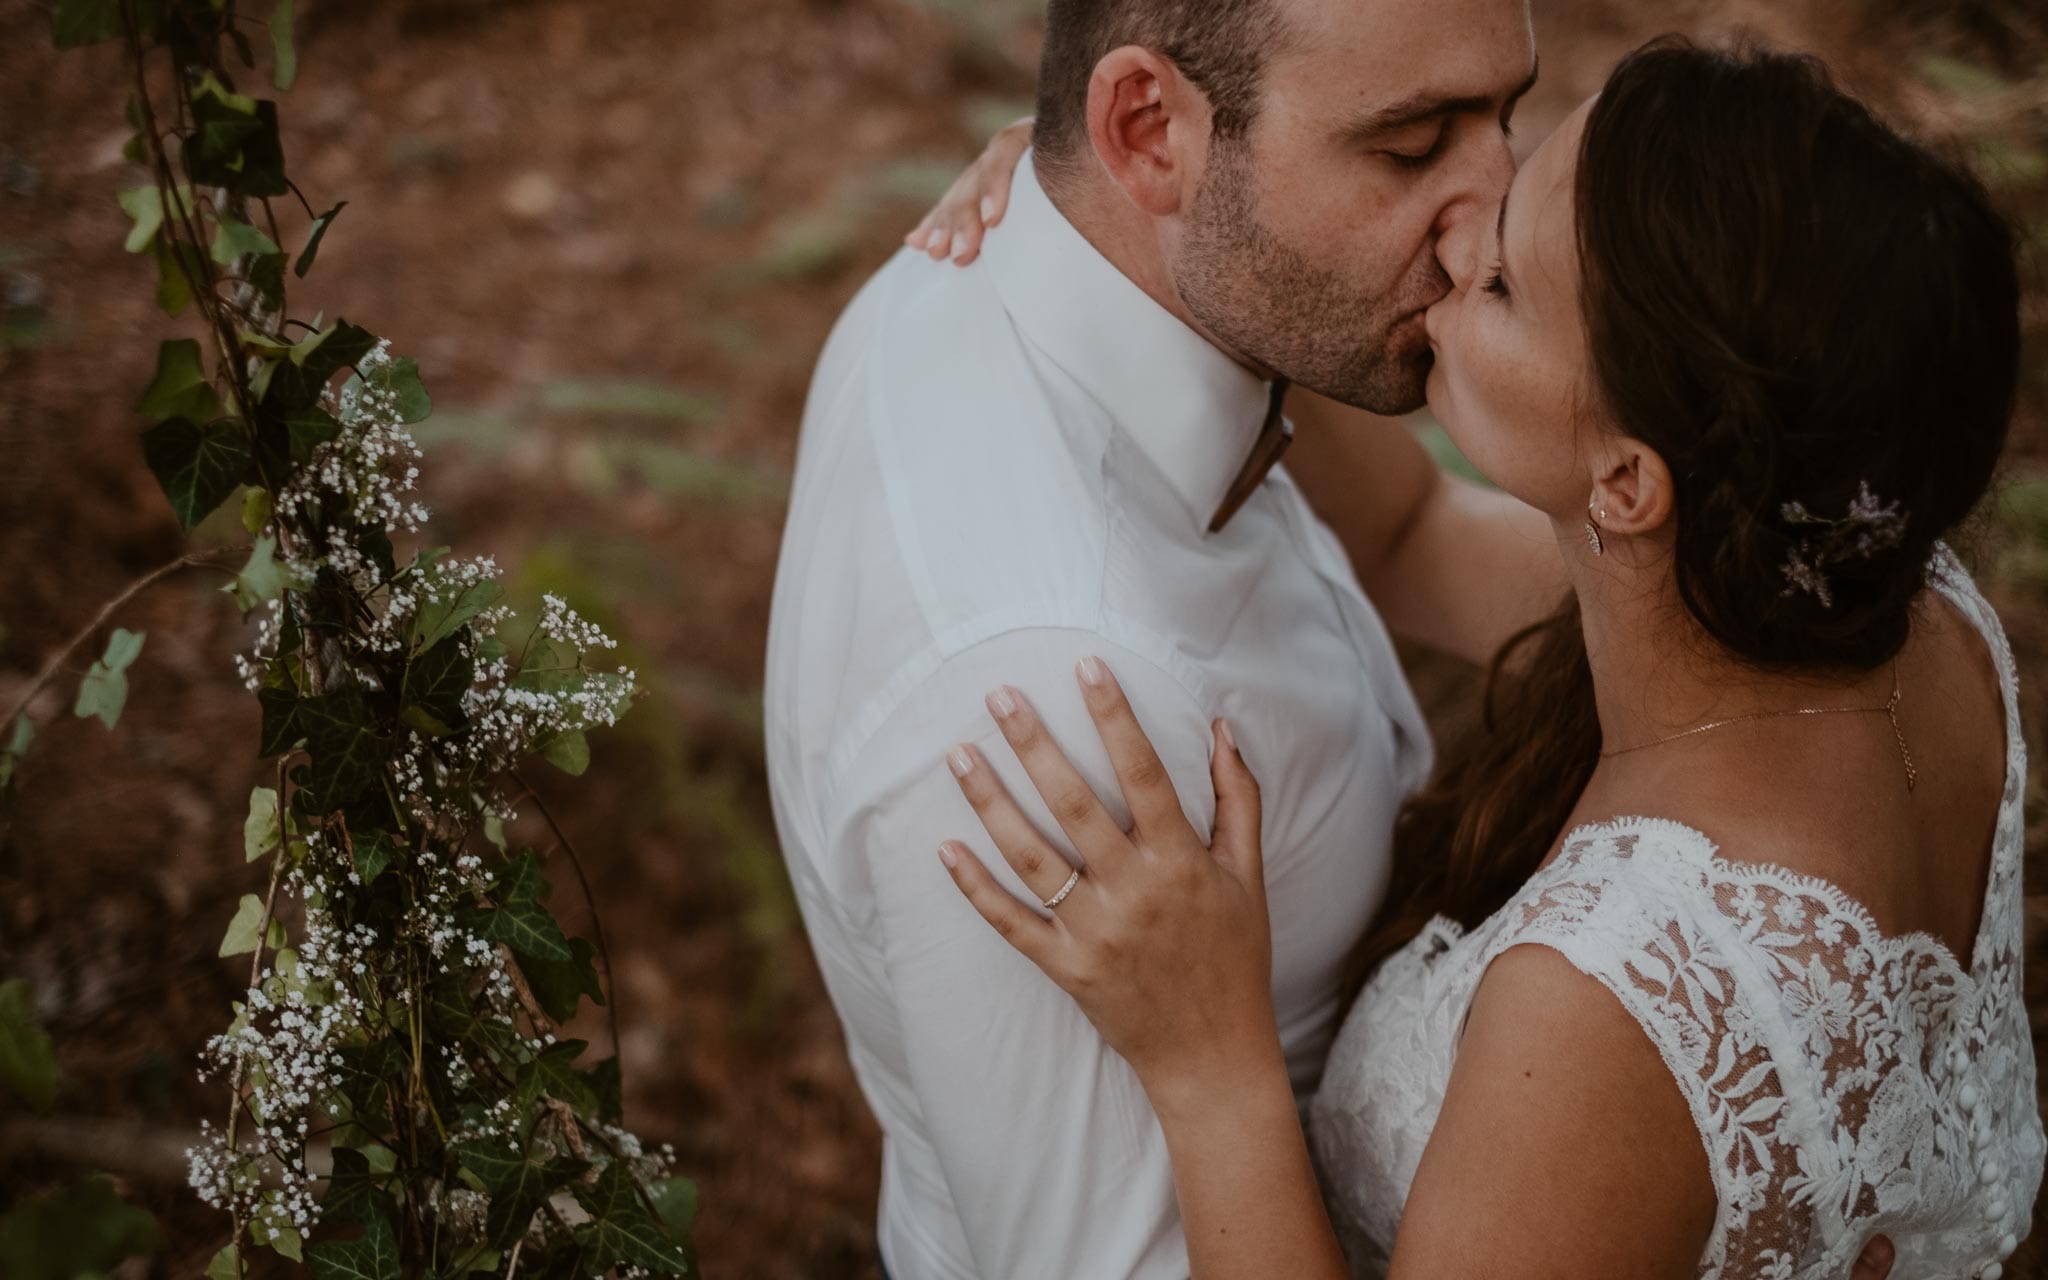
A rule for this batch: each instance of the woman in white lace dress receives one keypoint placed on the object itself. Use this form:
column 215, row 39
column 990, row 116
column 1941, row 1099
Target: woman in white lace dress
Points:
column 1708, row 958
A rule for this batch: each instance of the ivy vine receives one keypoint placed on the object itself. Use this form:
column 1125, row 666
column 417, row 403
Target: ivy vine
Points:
column 400, row 1103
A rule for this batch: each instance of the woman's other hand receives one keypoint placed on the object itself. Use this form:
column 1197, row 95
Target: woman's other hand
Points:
column 976, row 200
column 1164, row 940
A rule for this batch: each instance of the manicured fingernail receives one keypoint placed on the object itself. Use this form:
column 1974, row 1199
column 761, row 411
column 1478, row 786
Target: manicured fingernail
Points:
column 1091, row 671
column 988, row 208
column 1000, row 701
column 949, row 855
column 960, row 762
column 942, row 244
column 1228, row 740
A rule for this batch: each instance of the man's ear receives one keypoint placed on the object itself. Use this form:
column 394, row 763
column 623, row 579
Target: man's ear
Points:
column 1146, row 120
column 1632, row 490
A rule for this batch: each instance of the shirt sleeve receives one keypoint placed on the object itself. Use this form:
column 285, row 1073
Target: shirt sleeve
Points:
column 1053, row 1158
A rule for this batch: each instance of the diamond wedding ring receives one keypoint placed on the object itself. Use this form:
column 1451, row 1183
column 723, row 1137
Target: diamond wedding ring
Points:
column 1065, row 889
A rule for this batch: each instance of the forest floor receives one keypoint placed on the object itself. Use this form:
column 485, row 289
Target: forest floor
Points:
column 614, row 235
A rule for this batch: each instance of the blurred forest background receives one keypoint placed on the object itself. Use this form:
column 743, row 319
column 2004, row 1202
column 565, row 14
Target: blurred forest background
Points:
column 614, row 235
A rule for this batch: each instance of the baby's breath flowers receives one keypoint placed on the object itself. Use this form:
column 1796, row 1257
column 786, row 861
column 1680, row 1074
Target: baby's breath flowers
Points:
column 402, row 1098
column 417, row 1011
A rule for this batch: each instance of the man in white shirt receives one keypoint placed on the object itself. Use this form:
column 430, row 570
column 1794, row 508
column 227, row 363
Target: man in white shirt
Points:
column 1060, row 452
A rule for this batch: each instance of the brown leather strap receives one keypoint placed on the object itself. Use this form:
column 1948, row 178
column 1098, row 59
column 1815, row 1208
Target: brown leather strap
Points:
column 1274, row 436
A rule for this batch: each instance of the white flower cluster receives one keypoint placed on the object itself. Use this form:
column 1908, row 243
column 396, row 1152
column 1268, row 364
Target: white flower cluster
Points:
column 250, row 667
column 348, row 982
column 361, row 476
column 561, row 623
column 287, row 1036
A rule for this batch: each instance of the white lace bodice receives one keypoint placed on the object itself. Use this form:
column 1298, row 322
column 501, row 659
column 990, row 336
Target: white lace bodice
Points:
column 1845, row 1083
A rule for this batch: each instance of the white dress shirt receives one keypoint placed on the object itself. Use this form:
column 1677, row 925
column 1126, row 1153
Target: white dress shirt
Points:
column 1005, row 468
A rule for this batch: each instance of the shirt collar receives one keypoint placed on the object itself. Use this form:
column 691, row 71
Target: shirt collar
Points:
column 1193, row 410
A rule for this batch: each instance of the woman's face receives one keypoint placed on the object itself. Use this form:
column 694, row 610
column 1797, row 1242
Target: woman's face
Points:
column 1511, row 383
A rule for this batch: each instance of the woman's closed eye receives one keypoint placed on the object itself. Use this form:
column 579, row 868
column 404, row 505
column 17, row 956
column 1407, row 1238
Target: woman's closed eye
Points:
column 1495, row 285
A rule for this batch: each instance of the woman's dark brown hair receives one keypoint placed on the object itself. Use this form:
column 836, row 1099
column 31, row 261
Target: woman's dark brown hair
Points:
column 1789, row 302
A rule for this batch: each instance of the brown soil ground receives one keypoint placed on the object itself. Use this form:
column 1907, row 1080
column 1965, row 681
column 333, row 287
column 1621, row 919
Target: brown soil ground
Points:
column 614, row 235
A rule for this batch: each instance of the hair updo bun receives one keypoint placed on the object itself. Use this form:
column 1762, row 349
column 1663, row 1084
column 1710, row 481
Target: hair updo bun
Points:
column 1814, row 321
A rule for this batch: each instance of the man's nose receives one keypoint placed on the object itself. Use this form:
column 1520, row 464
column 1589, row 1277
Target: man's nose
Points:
column 1466, row 224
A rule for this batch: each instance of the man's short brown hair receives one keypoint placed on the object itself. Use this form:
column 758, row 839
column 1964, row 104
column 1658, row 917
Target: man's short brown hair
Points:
column 1221, row 46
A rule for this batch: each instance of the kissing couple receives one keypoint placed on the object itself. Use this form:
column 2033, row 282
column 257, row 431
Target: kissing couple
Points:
column 1166, row 941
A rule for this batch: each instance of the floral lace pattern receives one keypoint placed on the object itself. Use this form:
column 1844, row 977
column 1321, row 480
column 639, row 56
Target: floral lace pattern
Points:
column 1844, row 1083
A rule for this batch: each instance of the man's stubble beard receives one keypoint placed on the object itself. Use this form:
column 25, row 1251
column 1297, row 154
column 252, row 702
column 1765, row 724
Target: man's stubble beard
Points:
column 1269, row 303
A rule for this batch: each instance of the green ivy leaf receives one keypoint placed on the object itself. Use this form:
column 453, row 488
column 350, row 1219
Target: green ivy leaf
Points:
column 348, row 753
column 569, row 752
column 197, row 467
column 526, row 927
column 545, row 668
column 255, row 508
column 354, row 1190
column 320, row 225
column 234, row 143
column 173, row 280
column 233, row 239
column 436, row 680
column 438, row 619
column 285, row 1241
column 675, row 1199
column 181, row 388
column 401, row 377
column 372, row 1256
column 104, row 691
column 284, row 56
column 145, row 204
column 373, row 856
column 77, row 22
column 553, row 1072
column 226, row 1264
column 81, row 1230
column 281, row 729
column 361, row 1077
column 245, row 931
column 262, row 829
column 266, row 273
column 604, row 1077
column 123, row 648
column 518, row 1186
column 559, row 984
column 622, row 1231
column 310, row 426
column 262, row 578
column 521, row 879
column 15, row 750
column 27, row 1064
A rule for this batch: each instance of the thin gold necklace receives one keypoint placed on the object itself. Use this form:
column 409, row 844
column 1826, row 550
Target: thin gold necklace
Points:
column 1890, row 707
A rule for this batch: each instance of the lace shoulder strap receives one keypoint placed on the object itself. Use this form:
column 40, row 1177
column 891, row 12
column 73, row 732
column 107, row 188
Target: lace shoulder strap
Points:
column 1636, row 905
column 1946, row 573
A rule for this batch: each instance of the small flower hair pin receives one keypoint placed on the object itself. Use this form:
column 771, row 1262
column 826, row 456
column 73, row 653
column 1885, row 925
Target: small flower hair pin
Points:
column 1869, row 527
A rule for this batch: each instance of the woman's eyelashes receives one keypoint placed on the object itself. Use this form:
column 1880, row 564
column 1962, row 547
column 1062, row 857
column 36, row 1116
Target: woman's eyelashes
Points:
column 1495, row 285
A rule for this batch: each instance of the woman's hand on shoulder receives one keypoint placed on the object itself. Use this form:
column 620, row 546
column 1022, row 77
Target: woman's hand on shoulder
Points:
column 975, row 202
column 1164, row 939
